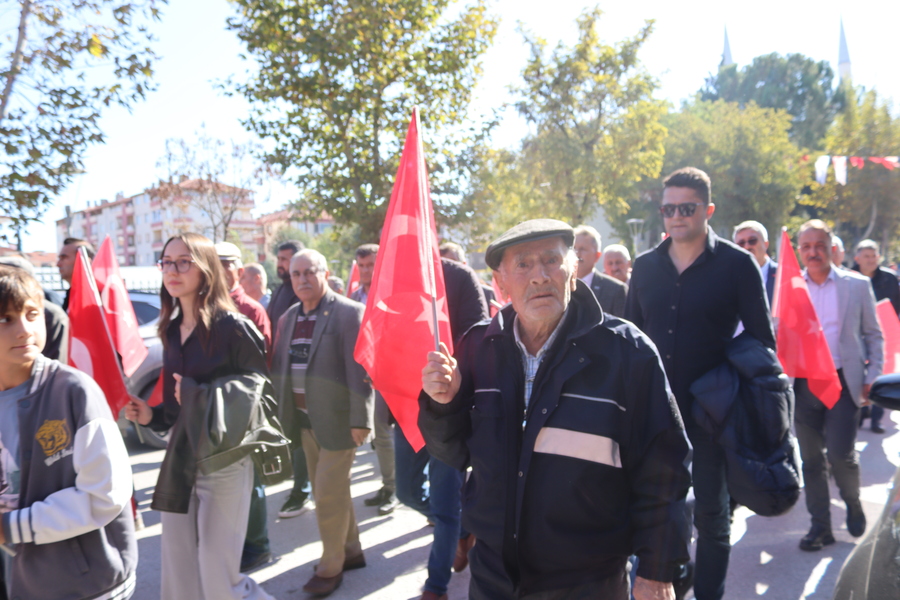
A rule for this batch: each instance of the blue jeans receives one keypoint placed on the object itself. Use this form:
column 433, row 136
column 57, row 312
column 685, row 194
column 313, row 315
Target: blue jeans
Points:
column 432, row 488
column 712, row 515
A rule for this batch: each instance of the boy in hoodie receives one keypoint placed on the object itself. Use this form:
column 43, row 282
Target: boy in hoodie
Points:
column 67, row 530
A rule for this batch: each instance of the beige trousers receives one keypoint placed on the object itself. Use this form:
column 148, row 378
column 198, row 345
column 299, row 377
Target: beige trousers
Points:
column 329, row 473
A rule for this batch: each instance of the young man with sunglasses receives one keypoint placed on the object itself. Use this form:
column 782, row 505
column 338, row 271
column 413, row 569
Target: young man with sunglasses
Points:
column 688, row 294
column 753, row 237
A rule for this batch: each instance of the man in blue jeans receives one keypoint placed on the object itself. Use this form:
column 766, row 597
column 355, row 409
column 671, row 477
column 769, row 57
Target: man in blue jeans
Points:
column 439, row 500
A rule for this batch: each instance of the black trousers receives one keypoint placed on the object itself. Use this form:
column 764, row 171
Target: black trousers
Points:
column 490, row 582
column 827, row 433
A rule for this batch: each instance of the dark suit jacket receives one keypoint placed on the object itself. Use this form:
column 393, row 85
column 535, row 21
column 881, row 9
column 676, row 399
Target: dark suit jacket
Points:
column 770, row 280
column 465, row 300
column 338, row 393
column 610, row 293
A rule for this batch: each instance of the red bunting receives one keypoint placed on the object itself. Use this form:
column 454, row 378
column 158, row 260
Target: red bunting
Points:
column 857, row 161
column 890, row 328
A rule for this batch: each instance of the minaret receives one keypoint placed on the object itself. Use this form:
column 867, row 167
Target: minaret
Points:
column 726, row 52
column 844, row 57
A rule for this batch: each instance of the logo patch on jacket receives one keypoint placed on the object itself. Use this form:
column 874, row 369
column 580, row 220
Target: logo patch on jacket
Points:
column 54, row 436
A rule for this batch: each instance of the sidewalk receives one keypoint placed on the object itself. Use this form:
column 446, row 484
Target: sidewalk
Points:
column 396, row 546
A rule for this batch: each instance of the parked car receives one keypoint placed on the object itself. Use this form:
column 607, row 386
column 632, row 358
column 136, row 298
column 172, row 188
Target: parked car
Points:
column 142, row 381
column 872, row 571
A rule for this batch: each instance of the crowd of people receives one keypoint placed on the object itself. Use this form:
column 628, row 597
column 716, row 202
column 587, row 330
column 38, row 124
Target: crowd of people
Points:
column 561, row 437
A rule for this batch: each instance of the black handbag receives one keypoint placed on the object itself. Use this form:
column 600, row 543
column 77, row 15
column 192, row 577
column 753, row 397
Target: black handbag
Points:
column 272, row 457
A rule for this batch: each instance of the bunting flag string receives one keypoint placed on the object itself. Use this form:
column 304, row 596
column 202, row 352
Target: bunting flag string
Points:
column 840, row 165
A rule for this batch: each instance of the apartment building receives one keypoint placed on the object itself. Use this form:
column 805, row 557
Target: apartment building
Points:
column 139, row 225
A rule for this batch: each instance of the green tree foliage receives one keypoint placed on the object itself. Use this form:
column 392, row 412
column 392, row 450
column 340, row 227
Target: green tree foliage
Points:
column 596, row 126
column 335, row 84
column 65, row 63
column 795, row 83
column 869, row 205
column 754, row 167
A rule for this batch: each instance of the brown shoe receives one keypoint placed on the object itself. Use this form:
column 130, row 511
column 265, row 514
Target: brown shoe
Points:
column 322, row 586
column 461, row 560
column 350, row 563
column 426, row 595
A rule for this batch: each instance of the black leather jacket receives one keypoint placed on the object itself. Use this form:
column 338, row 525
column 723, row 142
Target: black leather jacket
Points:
column 226, row 396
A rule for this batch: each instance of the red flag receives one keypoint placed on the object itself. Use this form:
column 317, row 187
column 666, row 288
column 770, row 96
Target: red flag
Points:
column 156, row 396
column 884, row 162
column 890, row 328
column 802, row 347
column 353, row 284
column 858, row 161
column 398, row 328
column 123, row 325
column 90, row 347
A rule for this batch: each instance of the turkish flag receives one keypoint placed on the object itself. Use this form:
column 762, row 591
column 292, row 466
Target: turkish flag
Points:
column 123, row 325
column 890, row 327
column 90, row 347
column 353, row 284
column 398, row 327
column 802, row 347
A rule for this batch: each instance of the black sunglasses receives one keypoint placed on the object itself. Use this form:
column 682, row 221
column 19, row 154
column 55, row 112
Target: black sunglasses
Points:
column 748, row 242
column 685, row 209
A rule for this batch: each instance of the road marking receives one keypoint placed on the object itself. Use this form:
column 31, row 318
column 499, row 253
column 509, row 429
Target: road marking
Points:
column 761, row 588
column 765, row 558
column 815, row 577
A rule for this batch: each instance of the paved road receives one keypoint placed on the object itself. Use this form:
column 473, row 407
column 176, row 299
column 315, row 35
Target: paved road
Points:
column 765, row 562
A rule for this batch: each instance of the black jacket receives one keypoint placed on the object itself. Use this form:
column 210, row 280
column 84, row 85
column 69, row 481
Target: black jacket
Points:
column 885, row 285
column 746, row 404
column 235, row 347
column 558, row 520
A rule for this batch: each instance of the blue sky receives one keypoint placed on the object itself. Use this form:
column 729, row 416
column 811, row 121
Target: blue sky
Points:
column 196, row 50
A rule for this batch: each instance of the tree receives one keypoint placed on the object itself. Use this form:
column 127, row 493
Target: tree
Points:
column 869, row 205
column 213, row 176
column 335, row 85
column 754, row 167
column 596, row 125
column 68, row 63
column 795, row 83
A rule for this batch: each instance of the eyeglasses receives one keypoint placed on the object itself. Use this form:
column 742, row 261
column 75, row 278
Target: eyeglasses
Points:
column 685, row 209
column 182, row 265
column 310, row 272
column 748, row 242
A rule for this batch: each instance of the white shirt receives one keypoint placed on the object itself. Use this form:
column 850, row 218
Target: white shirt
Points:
column 764, row 271
column 589, row 278
column 825, row 301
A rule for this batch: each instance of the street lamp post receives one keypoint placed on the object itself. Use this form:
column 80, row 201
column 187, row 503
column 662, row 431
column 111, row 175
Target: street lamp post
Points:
column 636, row 227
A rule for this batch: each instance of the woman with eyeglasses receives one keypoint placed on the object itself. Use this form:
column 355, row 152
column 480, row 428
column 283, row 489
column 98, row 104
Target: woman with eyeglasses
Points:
column 204, row 516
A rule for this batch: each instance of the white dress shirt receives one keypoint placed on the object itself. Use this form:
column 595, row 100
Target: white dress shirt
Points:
column 825, row 301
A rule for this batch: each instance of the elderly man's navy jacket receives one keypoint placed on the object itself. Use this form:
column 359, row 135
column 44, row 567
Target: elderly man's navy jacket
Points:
column 593, row 471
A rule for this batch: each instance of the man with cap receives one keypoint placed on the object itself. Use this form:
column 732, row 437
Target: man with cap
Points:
column 575, row 442
column 257, row 550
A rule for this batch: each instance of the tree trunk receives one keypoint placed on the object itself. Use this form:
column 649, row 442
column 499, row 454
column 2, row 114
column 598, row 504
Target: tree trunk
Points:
column 17, row 58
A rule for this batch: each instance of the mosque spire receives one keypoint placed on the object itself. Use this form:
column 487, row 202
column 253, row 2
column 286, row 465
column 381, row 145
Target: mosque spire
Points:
column 727, row 61
column 844, row 56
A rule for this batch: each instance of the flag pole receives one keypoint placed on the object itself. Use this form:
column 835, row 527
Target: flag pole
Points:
column 428, row 250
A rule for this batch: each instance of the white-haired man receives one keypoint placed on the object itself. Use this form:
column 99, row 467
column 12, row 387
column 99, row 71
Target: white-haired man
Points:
column 617, row 262
column 255, row 282
column 610, row 293
column 753, row 237
column 325, row 403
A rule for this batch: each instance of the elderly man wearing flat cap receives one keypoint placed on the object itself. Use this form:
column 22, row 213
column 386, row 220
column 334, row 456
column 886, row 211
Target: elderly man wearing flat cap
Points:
column 576, row 444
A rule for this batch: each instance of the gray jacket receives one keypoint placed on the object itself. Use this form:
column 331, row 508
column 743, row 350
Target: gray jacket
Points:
column 73, row 532
column 338, row 393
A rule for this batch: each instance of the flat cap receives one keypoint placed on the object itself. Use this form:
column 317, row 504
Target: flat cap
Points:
column 228, row 251
column 18, row 261
column 527, row 231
